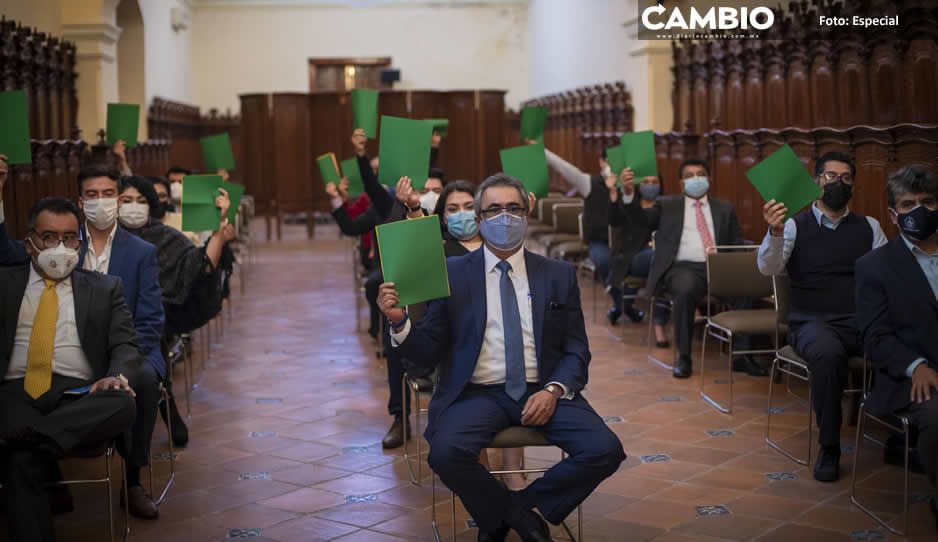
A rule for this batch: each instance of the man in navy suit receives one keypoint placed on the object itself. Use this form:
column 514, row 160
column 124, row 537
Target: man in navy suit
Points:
column 511, row 349
column 108, row 249
column 897, row 312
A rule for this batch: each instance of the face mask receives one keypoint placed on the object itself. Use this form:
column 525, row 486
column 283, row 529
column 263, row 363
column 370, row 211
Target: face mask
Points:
column 167, row 207
column 462, row 225
column 649, row 191
column 101, row 212
column 175, row 191
column 134, row 215
column 919, row 223
column 696, row 187
column 605, row 171
column 836, row 195
column 505, row 231
column 56, row 263
column 428, row 201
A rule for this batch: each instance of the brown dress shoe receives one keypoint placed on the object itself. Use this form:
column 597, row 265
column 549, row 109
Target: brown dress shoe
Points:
column 142, row 505
column 395, row 436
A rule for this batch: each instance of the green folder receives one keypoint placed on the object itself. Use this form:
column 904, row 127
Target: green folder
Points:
column 14, row 129
column 616, row 158
column 640, row 155
column 216, row 152
column 404, row 150
column 351, row 171
column 235, row 191
column 412, row 258
column 440, row 126
column 198, row 202
column 528, row 164
column 533, row 121
column 328, row 168
column 783, row 177
column 123, row 120
column 365, row 110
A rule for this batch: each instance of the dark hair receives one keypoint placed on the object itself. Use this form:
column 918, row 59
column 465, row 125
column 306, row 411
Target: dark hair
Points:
column 690, row 162
column 55, row 205
column 501, row 179
column 910, row 180
column 94, row 171
column 437, row 173
column 145, row 187
column 163, row 181
column 455, row 186
column 177, row 169
column 834, row 157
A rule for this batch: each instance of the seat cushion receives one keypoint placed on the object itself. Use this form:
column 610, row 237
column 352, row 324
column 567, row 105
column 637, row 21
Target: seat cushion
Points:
column 571, row 250
column 551, row 239
column 539, row 229
column 519, row 437
column 747, row 322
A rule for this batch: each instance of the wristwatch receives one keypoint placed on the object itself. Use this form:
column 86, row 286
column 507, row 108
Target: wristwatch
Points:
column 413, row 209
column 551, row 387
column 400, row 325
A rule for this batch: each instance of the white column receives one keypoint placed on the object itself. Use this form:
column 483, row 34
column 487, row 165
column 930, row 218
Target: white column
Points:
column 96, row 64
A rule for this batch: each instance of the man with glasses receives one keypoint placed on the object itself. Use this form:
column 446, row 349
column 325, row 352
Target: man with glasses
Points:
column 512, row 350
column 818, row 249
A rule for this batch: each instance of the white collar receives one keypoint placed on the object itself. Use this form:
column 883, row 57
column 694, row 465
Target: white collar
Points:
column 35, row 277
column 690, row 201
column 110, row 236
column 516, row 260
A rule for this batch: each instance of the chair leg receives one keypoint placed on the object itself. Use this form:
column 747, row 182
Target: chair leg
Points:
column 776, row 366
column 653, row 303
column 108, row 456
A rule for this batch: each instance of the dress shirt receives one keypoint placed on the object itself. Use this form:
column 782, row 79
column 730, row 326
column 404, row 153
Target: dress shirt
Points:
column 99, row 262
column 68, row 358
column 583, row 182
column 929, row 265
column 691, row 248
column 491, row 366
column 775, row 251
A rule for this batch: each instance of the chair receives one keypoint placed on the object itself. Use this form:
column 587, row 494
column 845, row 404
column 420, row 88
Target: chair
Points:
column 107, row 451
column 575, row 250
column 179, row 352
column 513, row 437
column 733, row 274
column 545, row 212
column 418, row 387
column 566, row 226
column 164, row 400
column 586, row 267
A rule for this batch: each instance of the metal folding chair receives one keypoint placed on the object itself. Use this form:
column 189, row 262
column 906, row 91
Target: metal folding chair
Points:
column 418, row 387
column 164, row 400
column 107, row 451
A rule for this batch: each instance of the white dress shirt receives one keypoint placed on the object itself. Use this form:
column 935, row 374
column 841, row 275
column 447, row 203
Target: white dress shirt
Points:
column 96, row 262
column 68, row 358
column 691, row 248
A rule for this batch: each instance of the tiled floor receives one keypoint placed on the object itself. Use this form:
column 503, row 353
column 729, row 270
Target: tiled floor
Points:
column 290, row 410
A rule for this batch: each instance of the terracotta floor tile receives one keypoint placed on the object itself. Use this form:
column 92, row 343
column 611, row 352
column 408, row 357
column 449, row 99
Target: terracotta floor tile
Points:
column 653, row 513
column 358, row 484
column 801, row 533
column 305, row 501
column 308, row 529
column 730, row 527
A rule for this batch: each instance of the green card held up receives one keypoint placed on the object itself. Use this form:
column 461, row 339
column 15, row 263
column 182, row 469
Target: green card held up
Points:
column 404, row 150
column 123, row 121
column 216, row 152
column 440, row 126
column 528, row 164
column 533, row 121
column 783, row 177
column 328, row 168
column 351, row 171
column 14, row 129
column 365, row 110
column 640, row 155
column 235, row 191
column 198, row 202
column 616, row 158
column 412, row 258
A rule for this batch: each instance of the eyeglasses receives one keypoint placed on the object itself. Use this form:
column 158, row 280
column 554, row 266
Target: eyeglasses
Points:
column 513, row 210
column 50, row 239
column 830, row 177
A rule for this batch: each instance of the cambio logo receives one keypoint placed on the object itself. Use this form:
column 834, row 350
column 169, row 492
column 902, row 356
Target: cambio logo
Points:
column 715, row 18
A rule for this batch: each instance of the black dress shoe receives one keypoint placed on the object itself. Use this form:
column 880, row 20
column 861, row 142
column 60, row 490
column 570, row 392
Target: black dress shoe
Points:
column 499, row 535
column 141, row 505
column 827, row 468
column 683, row 367
column 540, row 533
column 395, row 436
column 613, row 316
column 749, row 365
column 180, row 431
column 662, row 344
column 635, row 315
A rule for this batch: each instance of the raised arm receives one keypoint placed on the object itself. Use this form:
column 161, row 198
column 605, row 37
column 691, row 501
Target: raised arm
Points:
column 380, row 198
column 11, row 252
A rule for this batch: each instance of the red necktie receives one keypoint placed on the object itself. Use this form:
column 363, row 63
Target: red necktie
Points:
column 702, row 228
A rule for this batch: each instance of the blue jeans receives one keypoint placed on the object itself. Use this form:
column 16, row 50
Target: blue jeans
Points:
column 599, row 254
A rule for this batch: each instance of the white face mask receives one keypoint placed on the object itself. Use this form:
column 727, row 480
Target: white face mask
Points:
column 428, row 201
column 101, row 212
column 57, row 263
column 175, row 191
column 134, row 215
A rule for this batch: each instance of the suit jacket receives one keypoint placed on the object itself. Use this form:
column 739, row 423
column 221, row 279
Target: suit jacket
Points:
column 667, row 219
column 631, row 234
column 451, row 332
column 133, row 260
column 897, row 316
column 105, row 327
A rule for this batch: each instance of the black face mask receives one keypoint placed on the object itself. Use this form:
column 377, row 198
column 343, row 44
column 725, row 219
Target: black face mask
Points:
column 919, row 223
column 836, row 195
column 165, row 207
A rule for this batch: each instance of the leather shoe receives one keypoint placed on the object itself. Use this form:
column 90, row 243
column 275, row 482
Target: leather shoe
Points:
column 747, row 364
column 141, row 504
column 827, row 468
column 499, row 535
column 635, row 315
column 540, row 533
column 395, row 436
column 662, row 344
column 613, row 316
column 683, row 367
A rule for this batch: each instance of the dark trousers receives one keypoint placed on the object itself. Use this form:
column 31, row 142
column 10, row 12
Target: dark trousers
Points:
column 600, row 256
column 398, row 400
column 146, row 384
column 65, row 423
column 686, row 284
column 924, row 417
column 641, row 267
column 825, row 343
column 372, row 283
column 469, row 424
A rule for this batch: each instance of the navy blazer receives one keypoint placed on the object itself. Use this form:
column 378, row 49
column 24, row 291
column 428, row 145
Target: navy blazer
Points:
column 451, row 332
column 897, row 314
column 133, row 260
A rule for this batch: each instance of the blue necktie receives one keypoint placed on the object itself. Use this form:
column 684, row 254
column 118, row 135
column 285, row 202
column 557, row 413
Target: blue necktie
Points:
column 515, row 382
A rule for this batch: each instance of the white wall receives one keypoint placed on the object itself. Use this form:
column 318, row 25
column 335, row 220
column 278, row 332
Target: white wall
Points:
column 168, row 53
column 240, row 49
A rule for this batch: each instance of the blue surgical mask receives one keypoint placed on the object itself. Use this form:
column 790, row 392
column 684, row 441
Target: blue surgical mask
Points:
column 649, row 191
column 505, row 231
column 462, row 225
column 696, row 187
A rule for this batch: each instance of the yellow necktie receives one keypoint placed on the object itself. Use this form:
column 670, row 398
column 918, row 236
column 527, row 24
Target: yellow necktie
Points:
column 42, row 343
